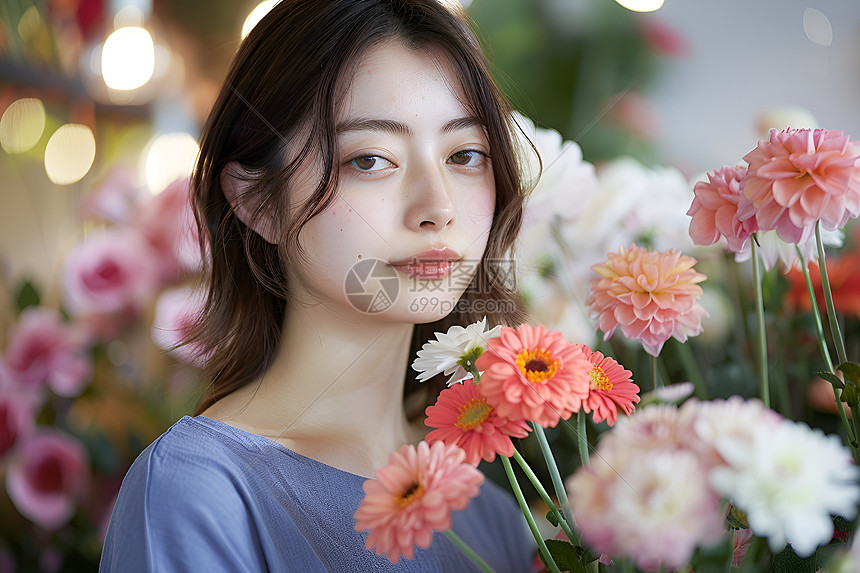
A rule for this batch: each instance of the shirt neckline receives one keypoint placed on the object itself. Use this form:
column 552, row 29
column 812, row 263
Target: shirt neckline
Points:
column 240, row 435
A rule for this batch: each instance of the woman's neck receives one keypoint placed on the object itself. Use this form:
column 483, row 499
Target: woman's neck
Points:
column 334, row 392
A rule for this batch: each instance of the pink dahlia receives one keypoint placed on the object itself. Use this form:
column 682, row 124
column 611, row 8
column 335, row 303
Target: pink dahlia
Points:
column 659, row 426
column 714, row 210
column 533, row 374
column 463, row 417
column 611, row 388
column 652, row 505
column 800, row 176
column 47, row 479
column 413, row 496
column 651, row 294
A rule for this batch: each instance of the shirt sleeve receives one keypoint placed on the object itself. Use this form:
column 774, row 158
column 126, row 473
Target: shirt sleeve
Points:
column 176, row 512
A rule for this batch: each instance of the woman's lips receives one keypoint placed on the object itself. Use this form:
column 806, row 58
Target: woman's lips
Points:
column 430, row 264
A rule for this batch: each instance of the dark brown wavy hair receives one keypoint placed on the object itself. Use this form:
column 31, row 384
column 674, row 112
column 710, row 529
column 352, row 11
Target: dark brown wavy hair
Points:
column 284, row 88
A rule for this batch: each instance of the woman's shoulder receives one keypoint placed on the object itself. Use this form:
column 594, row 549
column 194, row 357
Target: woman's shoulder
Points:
column 191, row 497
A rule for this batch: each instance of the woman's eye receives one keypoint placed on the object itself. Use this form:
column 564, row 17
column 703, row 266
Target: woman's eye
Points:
column 469, row 158
column 370, row 163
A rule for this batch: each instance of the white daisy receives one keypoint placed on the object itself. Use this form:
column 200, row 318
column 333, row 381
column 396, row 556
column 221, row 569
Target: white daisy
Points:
column 444, row 353
column 789, row 479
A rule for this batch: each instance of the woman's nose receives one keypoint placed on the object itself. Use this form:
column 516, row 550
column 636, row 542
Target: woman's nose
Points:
column 430, row 206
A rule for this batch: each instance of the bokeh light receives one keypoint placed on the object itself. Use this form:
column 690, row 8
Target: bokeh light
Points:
column 256, row 15
column 128, row 58
column 70, row 153
column 22, row 125
column 817, row 27
column 167, row 158
column 641, row 5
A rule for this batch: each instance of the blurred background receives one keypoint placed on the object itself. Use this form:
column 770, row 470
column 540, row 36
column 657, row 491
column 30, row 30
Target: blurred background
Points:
column 101, row 103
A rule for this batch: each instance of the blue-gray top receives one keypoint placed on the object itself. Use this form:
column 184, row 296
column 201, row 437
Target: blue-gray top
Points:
column 206, row 496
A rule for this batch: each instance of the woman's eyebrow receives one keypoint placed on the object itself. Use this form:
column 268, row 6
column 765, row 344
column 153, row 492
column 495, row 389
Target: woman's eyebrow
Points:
column 397, row 128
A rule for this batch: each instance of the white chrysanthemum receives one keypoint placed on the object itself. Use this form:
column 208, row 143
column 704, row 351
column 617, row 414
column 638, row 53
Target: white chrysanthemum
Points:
column 559, row 181
column 719, row 421
column 442, row 354
column 788, row 480
column 774, row 250
column 633, row 202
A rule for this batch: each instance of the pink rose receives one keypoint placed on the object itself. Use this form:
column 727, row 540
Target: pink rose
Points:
column 714, row 211
column 43, row 348
column 176, row 313
column 799, row 177
column 117, row 196
column 167, row 221
column 111, row 272
column 47, row 479
column 17, row 418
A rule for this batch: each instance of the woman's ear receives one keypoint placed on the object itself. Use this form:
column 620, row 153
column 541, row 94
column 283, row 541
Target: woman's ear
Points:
column 236, row 185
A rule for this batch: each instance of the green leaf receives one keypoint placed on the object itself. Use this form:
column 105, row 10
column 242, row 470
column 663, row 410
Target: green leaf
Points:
column 737, row 519
column 832, row 378
column 566, row 556
column 787, row 561
column 550, row 516
column 851, row 372
column 28, row 295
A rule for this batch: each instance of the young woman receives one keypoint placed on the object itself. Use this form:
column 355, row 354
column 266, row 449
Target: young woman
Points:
column 359, row 190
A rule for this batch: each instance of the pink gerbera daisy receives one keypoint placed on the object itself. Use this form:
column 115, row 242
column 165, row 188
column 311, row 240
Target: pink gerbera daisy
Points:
column 462, row 416
column 533, row 374
column 611, row 388
column 413, row 496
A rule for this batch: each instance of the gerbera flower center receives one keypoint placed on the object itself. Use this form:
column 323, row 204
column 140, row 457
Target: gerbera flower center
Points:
column 537, row 365
column 413, row 492
column 473, row 413
column 599, row 379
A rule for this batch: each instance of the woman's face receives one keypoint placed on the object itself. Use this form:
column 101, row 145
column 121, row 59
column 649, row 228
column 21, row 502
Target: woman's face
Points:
column 415, row 198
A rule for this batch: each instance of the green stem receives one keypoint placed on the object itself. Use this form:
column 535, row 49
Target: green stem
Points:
column 828, row 299
column 582, row 438
column 692, row 368
column 462, row 546
column 855, row 417
column 518, row 493
column 554, row 474
column 822, row 345
column 546, row 498
column 762, row 334
column 655, row 378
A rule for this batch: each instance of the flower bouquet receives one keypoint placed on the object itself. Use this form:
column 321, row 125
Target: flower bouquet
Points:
column 710, row 484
